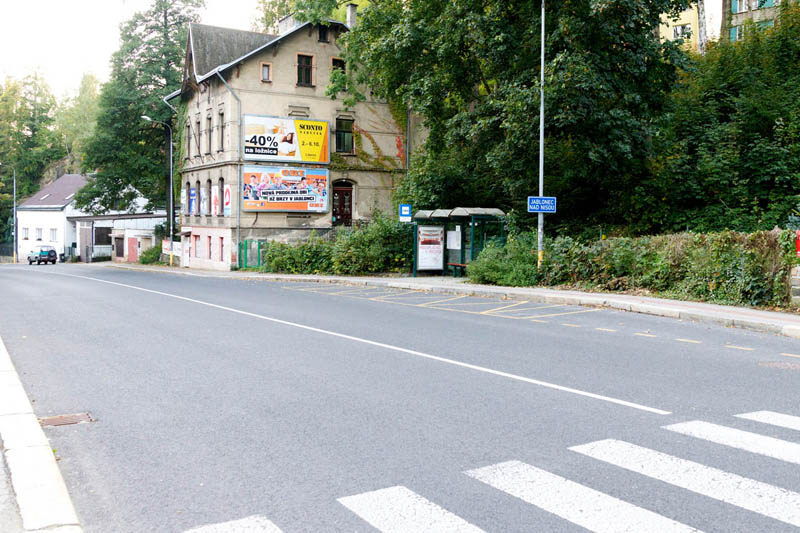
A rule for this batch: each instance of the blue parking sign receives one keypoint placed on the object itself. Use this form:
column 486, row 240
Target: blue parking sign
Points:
column 405, row 212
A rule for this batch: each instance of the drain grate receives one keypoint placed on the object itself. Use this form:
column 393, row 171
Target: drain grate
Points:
column 65, row 420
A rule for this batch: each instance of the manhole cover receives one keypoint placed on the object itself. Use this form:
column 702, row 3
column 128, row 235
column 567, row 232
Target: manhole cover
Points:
column 65, row 420
column 783, row 365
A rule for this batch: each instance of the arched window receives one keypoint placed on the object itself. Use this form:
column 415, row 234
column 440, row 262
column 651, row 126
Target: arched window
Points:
column 208, row 198
column 198, row 208
column 187, row 207
column 221, row 193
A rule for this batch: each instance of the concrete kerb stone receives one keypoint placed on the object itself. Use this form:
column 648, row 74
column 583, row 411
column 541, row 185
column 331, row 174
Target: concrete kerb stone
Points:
column 791, row 331
column 40, row 491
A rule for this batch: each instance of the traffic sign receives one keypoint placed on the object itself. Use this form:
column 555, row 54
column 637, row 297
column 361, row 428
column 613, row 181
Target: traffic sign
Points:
column 405, row 212
column 541, row 204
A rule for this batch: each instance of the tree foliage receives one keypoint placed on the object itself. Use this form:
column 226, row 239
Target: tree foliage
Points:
column 28, row 142
column 75, row 120
column 729, row 147
column 128, row 153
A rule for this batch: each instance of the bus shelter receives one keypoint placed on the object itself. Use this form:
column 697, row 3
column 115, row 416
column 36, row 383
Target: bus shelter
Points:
column 447, row 240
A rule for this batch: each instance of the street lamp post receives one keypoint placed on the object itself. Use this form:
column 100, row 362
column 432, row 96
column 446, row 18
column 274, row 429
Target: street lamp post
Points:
column 540, row 232
column 171, row 188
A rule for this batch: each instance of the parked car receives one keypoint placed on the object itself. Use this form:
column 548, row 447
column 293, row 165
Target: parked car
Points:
column 43, row 254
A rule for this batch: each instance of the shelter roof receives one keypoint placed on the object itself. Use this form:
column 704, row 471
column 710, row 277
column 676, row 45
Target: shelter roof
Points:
column 458, row 212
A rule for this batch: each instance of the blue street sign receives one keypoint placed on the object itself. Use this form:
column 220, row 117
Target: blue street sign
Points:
column 405, row 212
column 541, row 204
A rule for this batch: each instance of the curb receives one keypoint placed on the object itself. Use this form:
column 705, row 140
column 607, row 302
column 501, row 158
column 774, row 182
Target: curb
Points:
column 41, row 493
column 588, row 300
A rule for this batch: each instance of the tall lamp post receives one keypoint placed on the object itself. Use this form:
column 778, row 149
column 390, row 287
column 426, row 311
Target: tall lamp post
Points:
column 540, row 232
column 171, row 188
column 14, row 221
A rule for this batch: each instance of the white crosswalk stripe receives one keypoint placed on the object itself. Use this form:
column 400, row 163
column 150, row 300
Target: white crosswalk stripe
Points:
column 251, row 524
column 398, row 509
column 755, row 496
column 773, row 418
column 571, row 501
column 736, row 438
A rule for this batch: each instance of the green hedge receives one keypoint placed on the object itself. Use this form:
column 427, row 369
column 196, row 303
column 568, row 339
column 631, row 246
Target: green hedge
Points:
column 151, row 255
column 384, row 245
column 727, row 267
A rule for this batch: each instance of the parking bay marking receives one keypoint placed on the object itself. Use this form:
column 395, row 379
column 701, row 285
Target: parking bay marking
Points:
column 445, row 360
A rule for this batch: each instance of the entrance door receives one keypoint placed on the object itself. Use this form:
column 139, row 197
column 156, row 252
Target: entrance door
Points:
column 342, row 203
column 119, row 247
column 133, row 249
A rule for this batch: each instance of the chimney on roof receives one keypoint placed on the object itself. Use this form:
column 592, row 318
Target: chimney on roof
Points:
column 351, row 15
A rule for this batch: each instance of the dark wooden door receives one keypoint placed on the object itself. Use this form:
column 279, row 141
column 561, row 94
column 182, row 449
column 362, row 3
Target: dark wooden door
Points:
column 342, row 204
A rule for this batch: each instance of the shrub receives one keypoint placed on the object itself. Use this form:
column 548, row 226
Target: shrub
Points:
column 726, row 267
column 151, row 255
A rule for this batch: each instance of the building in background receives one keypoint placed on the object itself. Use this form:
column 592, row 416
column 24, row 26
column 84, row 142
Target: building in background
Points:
column 761, row 12
column 267, row 155
column 687, row 25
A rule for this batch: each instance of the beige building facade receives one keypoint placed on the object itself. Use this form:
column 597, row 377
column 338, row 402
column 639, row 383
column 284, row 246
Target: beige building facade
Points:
column 233, row 78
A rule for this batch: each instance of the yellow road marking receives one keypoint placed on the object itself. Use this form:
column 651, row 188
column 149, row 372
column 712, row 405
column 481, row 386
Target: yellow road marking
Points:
column 689, row 341
column 570, row 325
column 442, row 301
column 379, row 298
column 650, row 335
column 351, row 291
column 606, row 329
column 525, row 309
column 790, row 355
column 734, row 347
column 503, row 307
column 558, row 314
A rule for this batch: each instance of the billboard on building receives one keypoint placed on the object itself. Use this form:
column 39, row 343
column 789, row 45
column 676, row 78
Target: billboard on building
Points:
column 283, row 139
column 215, row 207
column 193, row 200
column 294, row 189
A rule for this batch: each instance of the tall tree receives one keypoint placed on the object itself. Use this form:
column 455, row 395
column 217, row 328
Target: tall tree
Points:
column 127, row 153
column 76, row 118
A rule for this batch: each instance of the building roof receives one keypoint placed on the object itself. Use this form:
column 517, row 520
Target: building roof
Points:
column 212, row 46
column 57, row 194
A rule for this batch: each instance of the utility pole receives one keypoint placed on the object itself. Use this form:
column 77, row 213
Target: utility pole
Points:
column 541, row 147
column 14, row 224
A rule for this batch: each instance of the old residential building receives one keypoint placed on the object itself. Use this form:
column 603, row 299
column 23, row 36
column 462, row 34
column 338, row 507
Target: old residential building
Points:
column 266, row 154
column 687, row 25
column 737, row 12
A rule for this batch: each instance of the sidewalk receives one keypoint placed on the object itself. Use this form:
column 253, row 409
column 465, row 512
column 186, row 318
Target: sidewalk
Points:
column 778, row 323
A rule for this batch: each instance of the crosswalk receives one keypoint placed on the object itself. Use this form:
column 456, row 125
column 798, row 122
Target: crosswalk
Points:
column 399, row 509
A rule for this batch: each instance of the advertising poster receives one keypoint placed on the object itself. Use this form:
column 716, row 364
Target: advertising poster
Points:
column 203, row 201
column 278, row 139
column 183, row 200
column 215, row 207
column 430, row 247
column 193, row 200
column 226, row 200
column 285, row 189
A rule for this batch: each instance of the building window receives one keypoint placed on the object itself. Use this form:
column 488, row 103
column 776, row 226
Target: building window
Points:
column 765, row 24
column 210, row 128
column 53, row 235
column 221, row 249
column 736, row 33
column 38, row 234
column 266, row 72
column 344, row 136
column 304, row 70
column 196, row 239
column 199, row 136
column 209, row 246
column 188, row 140
column 323, row 34
column 187, row 207
column 766, row 3
column 683, row 31
column 337, row 63
column 221, row 188
column 738, row 6
column 197, row 198
column 209, row 192
column 221, row 146
column 25, row 233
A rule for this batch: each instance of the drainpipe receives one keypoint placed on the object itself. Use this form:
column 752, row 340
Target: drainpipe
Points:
column 238, row 162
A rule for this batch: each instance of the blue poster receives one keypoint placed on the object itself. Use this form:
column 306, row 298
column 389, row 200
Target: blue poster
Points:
column 193, row 200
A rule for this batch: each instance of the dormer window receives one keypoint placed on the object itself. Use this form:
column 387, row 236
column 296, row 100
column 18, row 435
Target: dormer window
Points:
column 323, row 34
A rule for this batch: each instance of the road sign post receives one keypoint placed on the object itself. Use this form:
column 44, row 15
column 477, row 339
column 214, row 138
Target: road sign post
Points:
column 541, row 205
column 404, row 212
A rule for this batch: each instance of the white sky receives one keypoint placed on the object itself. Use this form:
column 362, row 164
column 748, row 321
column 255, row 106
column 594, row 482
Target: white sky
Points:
column 63, row 39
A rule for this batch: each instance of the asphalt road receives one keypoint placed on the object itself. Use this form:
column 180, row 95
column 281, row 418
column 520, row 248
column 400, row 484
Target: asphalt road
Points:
column 312, row 407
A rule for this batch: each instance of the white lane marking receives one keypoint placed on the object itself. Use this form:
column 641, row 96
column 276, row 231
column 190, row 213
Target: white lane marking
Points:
column 255, row 523
column 755, row 496
column 773, row 418
column 690, row 341
column 400, row 510
column 736, row 438
column 571, row 501
column 385, row 346
column 650, row 335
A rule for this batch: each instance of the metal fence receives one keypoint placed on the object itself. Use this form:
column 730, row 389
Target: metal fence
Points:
column 6, row 252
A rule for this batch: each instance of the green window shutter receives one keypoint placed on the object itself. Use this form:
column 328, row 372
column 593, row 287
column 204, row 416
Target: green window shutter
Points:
column 765, row 3
column 734, row 33
column 734, row 7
